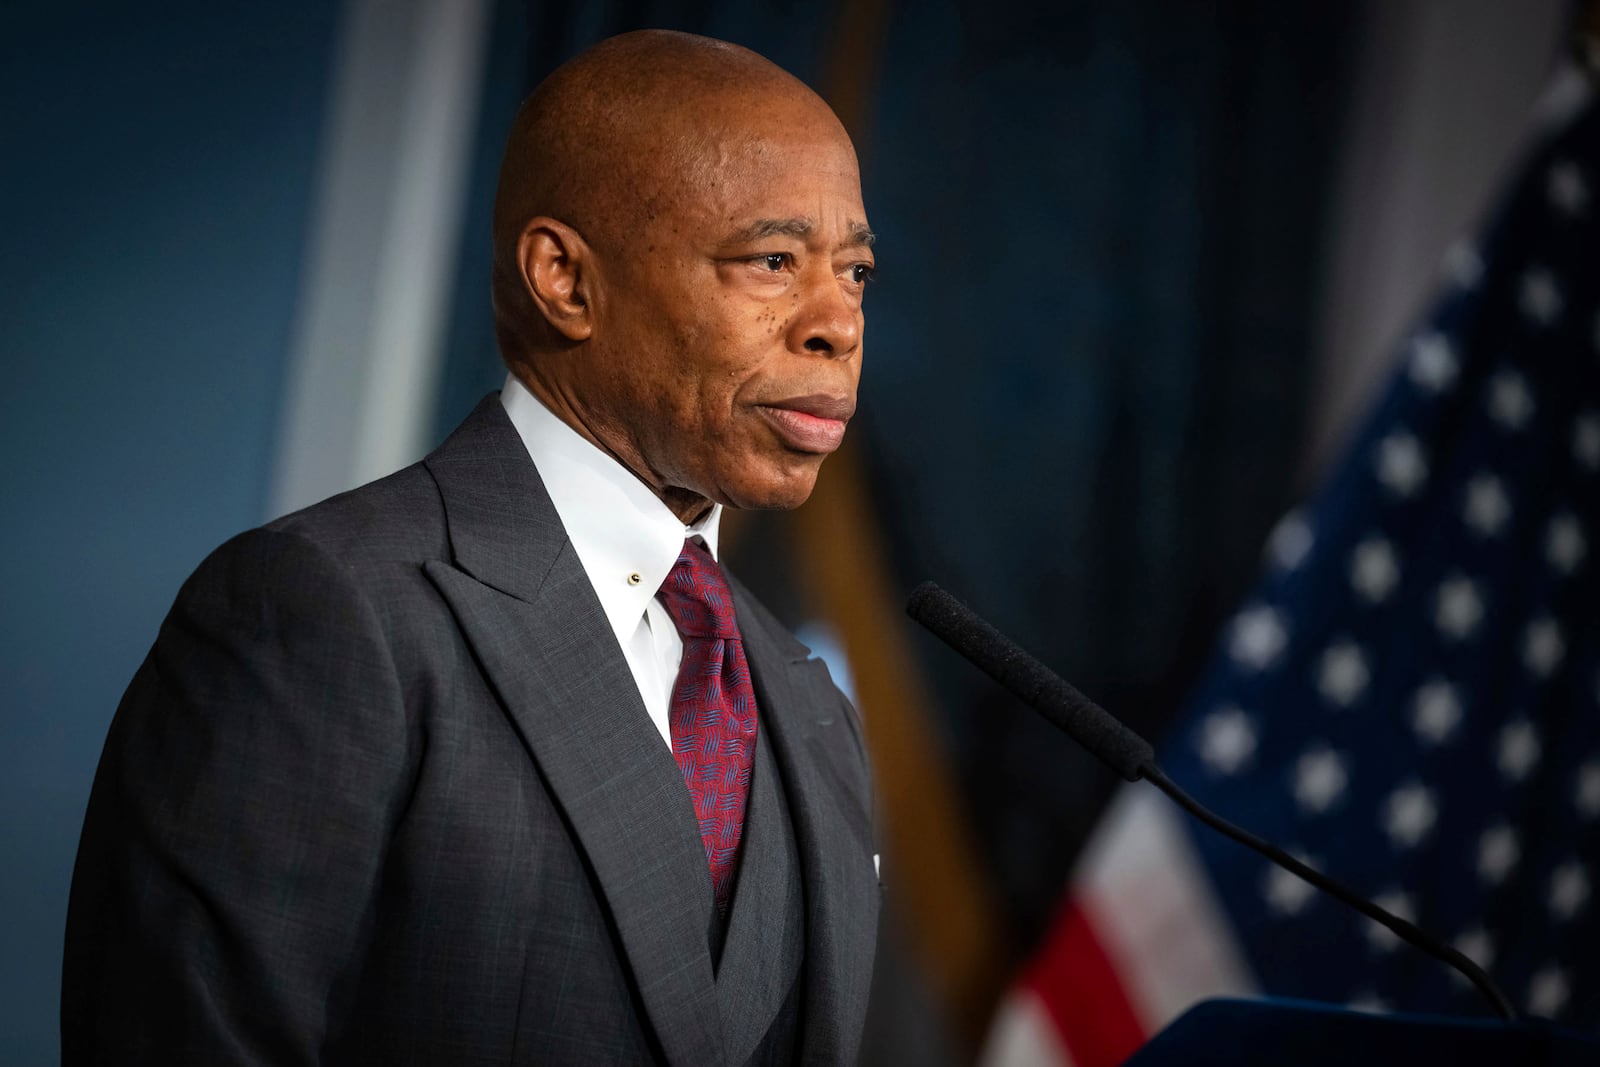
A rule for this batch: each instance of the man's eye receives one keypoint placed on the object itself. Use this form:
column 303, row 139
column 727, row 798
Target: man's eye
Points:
column 862, row 273
column 775, row 261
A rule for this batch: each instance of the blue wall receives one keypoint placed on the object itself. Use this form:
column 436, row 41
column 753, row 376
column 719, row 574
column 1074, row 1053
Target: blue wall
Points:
column 156, row 186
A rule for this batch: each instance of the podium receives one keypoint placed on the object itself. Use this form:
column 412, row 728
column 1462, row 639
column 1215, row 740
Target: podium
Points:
column 1296, row 1033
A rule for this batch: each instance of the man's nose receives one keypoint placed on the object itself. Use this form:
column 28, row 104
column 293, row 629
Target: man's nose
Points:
column 828, row 322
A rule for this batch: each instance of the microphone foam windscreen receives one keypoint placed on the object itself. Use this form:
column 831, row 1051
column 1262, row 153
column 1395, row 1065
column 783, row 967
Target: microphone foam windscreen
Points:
column 1041, row 688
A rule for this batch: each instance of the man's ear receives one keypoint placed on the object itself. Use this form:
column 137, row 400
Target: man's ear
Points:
column 556, row 265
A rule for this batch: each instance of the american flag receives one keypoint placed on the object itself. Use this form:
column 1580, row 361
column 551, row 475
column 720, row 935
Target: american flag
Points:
column 1409, row 700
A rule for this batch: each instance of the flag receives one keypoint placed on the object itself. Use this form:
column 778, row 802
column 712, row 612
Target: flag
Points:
column 1409, row 700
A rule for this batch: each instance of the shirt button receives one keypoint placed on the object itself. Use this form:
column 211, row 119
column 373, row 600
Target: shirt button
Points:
column 635, row 578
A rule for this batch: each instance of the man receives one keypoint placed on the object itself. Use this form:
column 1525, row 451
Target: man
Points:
column 429, row 772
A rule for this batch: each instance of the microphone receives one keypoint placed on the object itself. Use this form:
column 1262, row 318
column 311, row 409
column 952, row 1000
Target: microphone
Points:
column 1132, row 757
column 1034, row 684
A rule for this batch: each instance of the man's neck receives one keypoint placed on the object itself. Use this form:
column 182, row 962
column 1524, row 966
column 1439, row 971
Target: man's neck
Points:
column 689, row 506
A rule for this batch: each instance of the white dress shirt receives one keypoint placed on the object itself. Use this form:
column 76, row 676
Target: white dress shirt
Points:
column 625, row 537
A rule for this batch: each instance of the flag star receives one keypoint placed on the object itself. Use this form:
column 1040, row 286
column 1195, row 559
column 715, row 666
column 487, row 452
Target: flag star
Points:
column 1498, row 852
column 1586, row 440
column 1564, row 544
column 1510, row 402
column 1319, row 779
column 1344, row 674
column 1586, row 797
column 1290, row 541
column 1543, row 646
column 1518, row 749
column 1567, row 189
column 1548, row 992
column 1402, row 468
column 1436, row 712
column 1257, row 637
column 1569, row 890
column 1374, row 569
column 1409, row 814
column 1433, row 362
column 1459, row 608
column 1400, row 906
column 1540, row 298
column 1487, row 507
column 1463, row 265
column 1286, row 892
column 1227, row 740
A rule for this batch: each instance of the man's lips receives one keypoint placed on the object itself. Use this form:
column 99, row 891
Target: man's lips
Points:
column 810, row 423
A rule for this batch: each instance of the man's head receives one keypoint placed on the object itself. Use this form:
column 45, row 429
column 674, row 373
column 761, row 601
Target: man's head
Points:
column 680, row 253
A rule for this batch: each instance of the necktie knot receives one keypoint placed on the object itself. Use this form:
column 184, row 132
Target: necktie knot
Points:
column 697, row 597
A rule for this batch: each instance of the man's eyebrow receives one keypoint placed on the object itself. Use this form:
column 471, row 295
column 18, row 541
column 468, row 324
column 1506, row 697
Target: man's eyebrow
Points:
column 800, row 228
column 797, row 227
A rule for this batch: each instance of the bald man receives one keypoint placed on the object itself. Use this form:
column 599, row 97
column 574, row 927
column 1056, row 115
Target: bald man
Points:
column 489, row 761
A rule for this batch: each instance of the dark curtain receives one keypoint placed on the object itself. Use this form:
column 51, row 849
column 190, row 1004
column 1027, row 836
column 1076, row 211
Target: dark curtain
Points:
column 1089, row 352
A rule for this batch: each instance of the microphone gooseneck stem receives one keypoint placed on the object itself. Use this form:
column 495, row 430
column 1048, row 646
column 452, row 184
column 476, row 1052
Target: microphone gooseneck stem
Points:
column 1402, row 929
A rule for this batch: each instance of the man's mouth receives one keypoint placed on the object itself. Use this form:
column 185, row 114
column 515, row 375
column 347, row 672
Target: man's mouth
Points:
column 812, row 423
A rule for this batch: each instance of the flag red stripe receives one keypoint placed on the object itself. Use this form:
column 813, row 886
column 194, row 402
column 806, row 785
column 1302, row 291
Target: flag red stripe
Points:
column 1075, row 980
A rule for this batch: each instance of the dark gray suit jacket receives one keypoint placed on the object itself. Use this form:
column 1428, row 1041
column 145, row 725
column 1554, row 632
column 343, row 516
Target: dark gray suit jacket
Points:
column 384, row 791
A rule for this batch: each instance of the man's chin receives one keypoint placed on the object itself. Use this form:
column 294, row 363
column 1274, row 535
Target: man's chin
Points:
column 780, row 492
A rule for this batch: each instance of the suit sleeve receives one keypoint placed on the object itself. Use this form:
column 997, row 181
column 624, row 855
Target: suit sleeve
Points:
column 238, row 821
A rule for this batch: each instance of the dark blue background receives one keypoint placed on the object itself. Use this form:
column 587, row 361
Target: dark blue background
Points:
column 156, row 181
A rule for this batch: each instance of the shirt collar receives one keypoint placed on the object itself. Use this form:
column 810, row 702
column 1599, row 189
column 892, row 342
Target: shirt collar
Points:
column 625, row 537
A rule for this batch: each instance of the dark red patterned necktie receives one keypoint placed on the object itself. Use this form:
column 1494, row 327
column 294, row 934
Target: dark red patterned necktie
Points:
column 713, row 710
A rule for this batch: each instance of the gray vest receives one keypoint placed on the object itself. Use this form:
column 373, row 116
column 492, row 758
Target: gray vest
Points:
column 759, row 971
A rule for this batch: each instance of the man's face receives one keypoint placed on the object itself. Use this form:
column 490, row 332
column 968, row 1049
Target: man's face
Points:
column 728, row 323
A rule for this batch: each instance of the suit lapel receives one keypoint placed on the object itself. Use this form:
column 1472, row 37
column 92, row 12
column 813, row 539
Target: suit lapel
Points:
column 803, row 717
column 527, row 608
